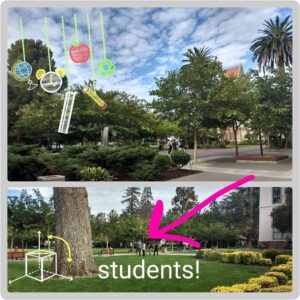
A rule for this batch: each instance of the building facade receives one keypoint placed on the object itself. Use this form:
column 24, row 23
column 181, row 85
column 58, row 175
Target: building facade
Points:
column 270, row 197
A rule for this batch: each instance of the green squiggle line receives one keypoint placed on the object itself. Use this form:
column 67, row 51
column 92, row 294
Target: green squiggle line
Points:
column 22, row 38
column 91, row 51
column 65, row 50
column 103, row 35
column 47, row 42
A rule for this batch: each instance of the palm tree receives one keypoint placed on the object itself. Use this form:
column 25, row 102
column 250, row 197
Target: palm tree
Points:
column 275, row 46
column 196, row 54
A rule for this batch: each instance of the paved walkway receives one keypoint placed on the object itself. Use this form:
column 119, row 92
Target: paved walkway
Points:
column 220, row 165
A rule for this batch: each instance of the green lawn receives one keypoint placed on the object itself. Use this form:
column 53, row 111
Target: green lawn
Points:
column 211, row 275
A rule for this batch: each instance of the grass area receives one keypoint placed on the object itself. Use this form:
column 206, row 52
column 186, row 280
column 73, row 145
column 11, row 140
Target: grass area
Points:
column 211, row 274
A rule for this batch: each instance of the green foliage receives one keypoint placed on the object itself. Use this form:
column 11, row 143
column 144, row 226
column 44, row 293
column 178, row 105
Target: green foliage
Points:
column 144, row 171
column 162, row 162
column 281, row 277
column 95, row 174
column 282, row 259
column 180, row 158
column 271, row 253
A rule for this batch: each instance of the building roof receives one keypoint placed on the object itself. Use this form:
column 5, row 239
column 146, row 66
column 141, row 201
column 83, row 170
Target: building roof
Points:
column 234, row 71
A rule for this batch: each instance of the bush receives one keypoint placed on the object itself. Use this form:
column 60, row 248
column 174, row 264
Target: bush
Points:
column 264, row 281
column 237, row 288
column 281, row 277
column 265, row 262
column 162, row 162
column 211, row 255
column 278, row 289
column 95, row 174
column 24, row 168
column 249, row 257
column 290, row 282
column 232, row 258
column 200, row 253
column 271, row 253
column 286, row 269
column 180, row 158
column 144, row 171
column 282, row 259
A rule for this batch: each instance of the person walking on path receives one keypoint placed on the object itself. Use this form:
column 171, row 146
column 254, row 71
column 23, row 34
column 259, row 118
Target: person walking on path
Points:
column 155, row 249
column 174, row 145
column 139, row 247
column 144, row 249
column 169, row 144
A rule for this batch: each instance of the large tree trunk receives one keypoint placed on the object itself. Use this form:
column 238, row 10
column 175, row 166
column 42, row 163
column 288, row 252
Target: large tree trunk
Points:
column 195, row 145
column 72, row 223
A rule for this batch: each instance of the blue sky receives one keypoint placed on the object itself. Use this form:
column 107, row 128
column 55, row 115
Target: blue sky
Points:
column 106, row 199
column 145, row 42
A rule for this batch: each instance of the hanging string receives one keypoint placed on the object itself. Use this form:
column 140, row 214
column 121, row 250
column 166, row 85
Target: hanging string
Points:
column 65, row 51
column 47, row 42
column 103, row 34
column 22, row 38
column 91, row 51
column 76, row 30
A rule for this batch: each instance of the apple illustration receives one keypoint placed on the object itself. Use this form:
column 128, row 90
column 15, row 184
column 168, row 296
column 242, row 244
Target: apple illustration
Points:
column 79, row 53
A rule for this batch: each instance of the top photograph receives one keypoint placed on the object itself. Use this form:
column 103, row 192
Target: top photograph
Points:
column 149, row 94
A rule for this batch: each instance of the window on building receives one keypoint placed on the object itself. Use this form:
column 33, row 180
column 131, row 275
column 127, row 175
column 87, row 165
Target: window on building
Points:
column 276, row 195
column 277, row 235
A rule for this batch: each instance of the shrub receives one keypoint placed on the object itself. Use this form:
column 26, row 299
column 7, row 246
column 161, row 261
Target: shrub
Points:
column 144, row 171
column 162, row 162
column 95, row 174
column 232, row 258
column 237, row 288
column 24, row 168
column 290, row 282
column 249, row 257
column 282, row 259
column 180, row 158
column 278, row 289
column 265, row 262
column 200, row 253
column 211, row 255
column 286, row 269
column 97, row 156
column 271, row 253
column 264, row 281
column 281, row 277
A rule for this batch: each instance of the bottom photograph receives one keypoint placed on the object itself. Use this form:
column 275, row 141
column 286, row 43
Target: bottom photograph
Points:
column 149, row 239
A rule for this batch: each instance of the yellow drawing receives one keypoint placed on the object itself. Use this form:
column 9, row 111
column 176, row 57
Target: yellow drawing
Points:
column 69, row 259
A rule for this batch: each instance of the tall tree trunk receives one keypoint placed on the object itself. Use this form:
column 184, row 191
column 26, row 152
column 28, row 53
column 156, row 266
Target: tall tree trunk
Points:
column 12, row 243
column 260, row 143
column 72, row 223
column 195, row 145
column 235, row 129
column 268, row 141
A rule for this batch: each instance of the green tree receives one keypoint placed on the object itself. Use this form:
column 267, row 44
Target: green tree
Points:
column 186, row 95
column 184, row 200
column 146, row 205
column 235, row 104
column 274, row 47
column 132, row 201
column 282, row 215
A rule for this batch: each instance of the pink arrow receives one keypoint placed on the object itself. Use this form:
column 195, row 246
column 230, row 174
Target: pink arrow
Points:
column 154, row 232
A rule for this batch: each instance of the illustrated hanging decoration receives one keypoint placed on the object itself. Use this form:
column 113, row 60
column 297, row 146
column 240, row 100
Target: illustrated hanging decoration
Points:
column 22, row 70
column 79, row 53
column 91, row 92
column 105, row 66
column 50, row 81
column 69, row 100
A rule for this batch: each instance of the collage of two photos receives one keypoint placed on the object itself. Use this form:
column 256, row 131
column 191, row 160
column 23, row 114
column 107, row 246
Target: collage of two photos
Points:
column 150, row 150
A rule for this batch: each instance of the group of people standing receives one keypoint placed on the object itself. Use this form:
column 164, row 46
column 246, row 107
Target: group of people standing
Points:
column 140, row 248
column 172, row 145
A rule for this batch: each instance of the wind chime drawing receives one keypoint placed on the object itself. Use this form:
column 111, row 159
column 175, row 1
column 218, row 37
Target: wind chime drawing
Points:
column 50, row 81
column 69, row 100
column 22, row 70
column 36, row 266
column 91, row 91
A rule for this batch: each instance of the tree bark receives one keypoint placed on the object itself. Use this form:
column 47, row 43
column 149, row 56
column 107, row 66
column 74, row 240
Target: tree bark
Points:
column 260, row 144
column 195, row 145
column 235, row 129
column 72, row 223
